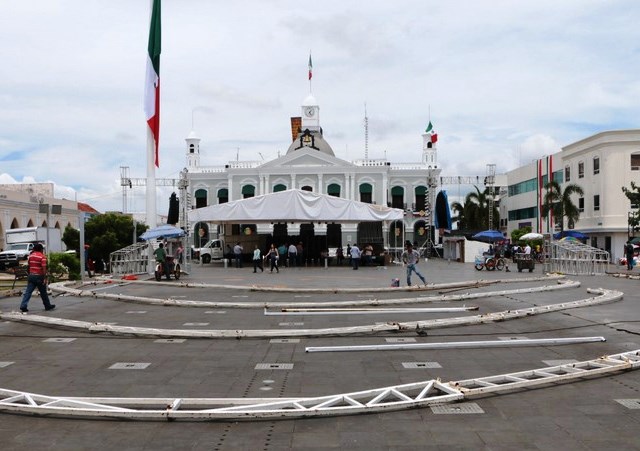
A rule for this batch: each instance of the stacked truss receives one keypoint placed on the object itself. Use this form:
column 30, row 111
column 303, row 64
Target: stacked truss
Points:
column 398, row 397
column 573, row 257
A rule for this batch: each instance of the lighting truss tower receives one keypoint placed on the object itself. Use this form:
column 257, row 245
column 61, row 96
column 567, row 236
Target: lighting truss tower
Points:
column 490, row 182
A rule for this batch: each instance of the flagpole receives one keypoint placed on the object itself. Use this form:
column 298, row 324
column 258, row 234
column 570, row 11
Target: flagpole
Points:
column 151, row 212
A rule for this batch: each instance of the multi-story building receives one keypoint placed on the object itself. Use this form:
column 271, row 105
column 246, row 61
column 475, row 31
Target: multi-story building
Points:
column 601, row 165
column 310, row 164
column 33, row 205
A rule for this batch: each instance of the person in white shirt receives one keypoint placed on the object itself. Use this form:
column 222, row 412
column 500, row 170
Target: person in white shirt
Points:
column 355, row 256
column 257, row 259
column 527, row 249
column 411, row 257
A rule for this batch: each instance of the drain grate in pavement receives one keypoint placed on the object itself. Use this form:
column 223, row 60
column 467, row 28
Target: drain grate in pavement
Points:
column 274, row 366
column 420, row 365
column 215, row 312
column 457, row 409
column 629, row 403
column 400, row 340
column 559, row 362
column 284, row 340
column 512, row 338
column 291, row 324
column 195, row 324
column 58, row 340
column 5, row 364
column 129, row 366
column 170, row 340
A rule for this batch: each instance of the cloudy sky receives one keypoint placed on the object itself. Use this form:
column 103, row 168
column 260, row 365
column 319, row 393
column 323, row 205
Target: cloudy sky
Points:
column 503, row 81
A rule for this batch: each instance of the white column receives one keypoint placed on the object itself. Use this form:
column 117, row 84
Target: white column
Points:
column 385, row 190
column 230, row 189
column 320, row 187
column 293, row 181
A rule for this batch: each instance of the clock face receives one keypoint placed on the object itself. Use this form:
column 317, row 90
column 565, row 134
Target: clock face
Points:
column 309, row 111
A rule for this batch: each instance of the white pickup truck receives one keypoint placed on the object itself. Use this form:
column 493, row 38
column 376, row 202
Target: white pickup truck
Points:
column 14, row 254
column 20, row 244
column 212, row 250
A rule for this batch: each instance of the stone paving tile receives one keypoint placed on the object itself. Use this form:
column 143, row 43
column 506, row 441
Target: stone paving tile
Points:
column 573, row 416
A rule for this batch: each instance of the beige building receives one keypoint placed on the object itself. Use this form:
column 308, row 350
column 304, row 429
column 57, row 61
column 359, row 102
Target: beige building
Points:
column 31, row 205
column 601, row 165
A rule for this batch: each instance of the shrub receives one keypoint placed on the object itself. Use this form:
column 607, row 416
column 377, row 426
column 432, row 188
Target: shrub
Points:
column 63, row 265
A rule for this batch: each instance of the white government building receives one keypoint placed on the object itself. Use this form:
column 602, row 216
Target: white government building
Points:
column 310, row 164
column 601, row 164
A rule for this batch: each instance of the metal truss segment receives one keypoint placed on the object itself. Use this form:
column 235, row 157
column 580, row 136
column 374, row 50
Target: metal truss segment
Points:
column 418, row 394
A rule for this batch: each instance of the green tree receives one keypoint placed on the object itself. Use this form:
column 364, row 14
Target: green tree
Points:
column 633, row 217
column 458, row 218
column 558, row 203
column 108, row 233
column 476, row 211
column 516, row 234
column 71, row 238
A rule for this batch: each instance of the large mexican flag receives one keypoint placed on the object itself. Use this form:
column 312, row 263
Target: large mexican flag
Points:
column 152, row 85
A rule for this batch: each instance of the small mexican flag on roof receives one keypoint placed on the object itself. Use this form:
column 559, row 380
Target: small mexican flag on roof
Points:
column 429, row 127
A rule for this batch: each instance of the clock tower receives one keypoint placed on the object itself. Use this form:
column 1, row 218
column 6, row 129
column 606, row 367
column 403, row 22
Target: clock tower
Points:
column 310, row 114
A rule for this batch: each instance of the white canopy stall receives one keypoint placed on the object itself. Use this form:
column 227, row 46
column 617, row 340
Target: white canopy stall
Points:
column 295, row 205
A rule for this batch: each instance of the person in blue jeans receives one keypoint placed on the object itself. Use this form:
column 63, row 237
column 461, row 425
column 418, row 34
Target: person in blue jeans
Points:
column 411, row 257
column 37, row 264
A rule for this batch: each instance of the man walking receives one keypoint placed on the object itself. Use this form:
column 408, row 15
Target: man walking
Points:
column 37, row 279
column 411, row 257
column 257, row 260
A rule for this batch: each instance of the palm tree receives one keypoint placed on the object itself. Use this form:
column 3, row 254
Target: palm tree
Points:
column 458, row 209
column 474, row 214
column 559, row 203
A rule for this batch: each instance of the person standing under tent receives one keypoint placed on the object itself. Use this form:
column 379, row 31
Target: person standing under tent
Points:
column 237, row 254
column 355, row 256
column 293, row 252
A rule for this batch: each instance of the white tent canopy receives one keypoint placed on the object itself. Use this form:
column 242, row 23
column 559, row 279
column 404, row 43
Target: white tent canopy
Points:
column 294, row 205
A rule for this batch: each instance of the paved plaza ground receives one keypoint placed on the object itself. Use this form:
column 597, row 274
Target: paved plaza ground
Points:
column 582, row 415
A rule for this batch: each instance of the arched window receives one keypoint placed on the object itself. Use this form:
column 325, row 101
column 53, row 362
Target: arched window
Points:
column 366, row 191
column 279, row 187
column 307, row 188
column 333, row 190
column 397, row 197
column 421, row 196
column 248, row 191
column 223, row 195
column 201, row 198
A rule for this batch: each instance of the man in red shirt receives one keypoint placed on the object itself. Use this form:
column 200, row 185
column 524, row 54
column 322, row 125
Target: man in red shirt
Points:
column 37, row 279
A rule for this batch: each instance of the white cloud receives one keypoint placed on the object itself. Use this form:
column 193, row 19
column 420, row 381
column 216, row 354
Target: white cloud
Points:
column 505, row 82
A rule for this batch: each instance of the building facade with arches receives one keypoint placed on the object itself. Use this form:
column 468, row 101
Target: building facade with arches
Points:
column 20, row 206
column 310, row 164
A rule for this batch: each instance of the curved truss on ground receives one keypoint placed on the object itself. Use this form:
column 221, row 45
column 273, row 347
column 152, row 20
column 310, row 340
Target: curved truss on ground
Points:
column 398, row 397
column 604, row 296
column 561, row 284
column 273, row 289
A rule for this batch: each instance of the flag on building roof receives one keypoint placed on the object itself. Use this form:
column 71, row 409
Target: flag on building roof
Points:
column 310, row 67
column 429, row 127
column 434, row 138
column 152, row 85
